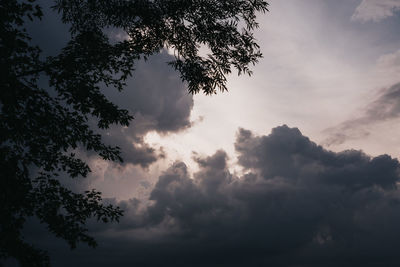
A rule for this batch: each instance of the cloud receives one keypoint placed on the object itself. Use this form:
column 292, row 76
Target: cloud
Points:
column 386, row 107
column 158, row 100
column 375, row 10
column 155, row 95
column 296, row 205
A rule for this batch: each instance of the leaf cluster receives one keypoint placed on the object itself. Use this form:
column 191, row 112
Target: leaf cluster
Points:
column 188, row 27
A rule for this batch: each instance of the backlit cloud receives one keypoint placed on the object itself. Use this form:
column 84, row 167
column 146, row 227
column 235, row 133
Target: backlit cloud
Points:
column 296, row 203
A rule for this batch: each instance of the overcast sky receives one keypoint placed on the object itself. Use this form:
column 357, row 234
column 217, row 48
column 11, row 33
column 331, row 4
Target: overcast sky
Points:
column 294, row 166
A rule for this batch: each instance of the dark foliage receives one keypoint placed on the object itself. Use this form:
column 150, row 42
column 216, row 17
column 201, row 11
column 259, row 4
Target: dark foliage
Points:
column 41, row 127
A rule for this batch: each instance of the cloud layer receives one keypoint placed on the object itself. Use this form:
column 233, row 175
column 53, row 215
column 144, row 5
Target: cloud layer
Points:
column 386, row 107
column 296, row 205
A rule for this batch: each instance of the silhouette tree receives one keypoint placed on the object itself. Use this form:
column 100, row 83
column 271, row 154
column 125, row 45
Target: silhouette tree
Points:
column 41, row 127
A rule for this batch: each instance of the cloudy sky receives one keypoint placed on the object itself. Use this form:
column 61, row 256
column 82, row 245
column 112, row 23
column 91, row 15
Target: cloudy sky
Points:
column 294, row 166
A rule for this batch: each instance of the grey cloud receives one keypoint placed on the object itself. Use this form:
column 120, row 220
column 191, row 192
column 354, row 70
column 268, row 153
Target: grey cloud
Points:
column 297, row 205
column 287, row 153
column 155, row 95
column 386, row 107
column 134, row 149
column 158, row 100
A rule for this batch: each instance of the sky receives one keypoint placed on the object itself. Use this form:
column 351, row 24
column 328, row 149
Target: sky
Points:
column 296, row 165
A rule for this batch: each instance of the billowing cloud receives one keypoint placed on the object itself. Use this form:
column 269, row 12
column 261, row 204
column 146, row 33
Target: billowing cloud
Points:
column 158, row 100
column 376, row 10
column 155, row 95
column 386, row 107
column 296, row 205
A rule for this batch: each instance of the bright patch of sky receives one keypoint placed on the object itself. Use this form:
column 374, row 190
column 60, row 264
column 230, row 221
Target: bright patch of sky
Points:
column 324, row 62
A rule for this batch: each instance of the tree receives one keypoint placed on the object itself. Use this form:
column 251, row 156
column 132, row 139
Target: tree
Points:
column 41, row 127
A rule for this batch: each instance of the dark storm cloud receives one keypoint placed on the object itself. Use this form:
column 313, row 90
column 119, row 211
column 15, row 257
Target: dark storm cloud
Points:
column 158, row 100
column 287, row 153
column 133, row 148
column 155, row 95
column 385, row 107
column 296, row 205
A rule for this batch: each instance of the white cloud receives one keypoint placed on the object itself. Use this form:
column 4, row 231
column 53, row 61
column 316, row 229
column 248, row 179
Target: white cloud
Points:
column 375, row 10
